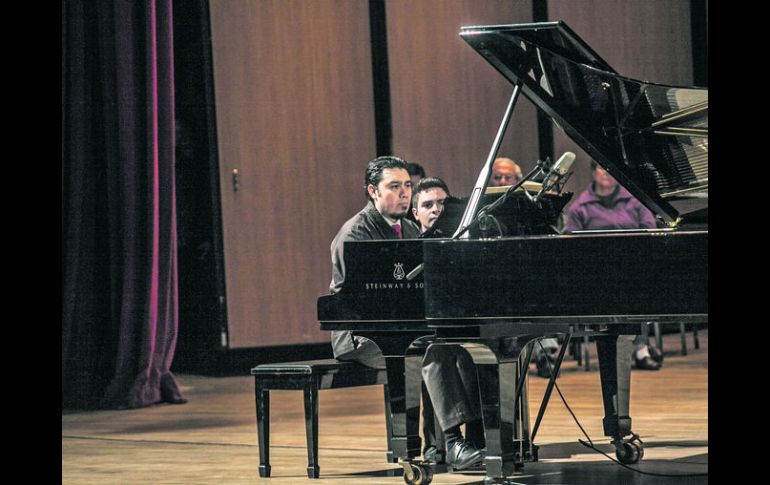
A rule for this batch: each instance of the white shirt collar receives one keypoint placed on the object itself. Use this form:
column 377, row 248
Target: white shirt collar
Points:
column 389, row 220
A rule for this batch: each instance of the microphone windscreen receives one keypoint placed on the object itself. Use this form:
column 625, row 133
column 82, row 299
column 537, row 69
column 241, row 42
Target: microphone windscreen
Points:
column 564, row 163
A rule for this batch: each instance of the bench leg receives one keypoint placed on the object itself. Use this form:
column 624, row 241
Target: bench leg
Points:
column 658, row 336
column 388, row 426
column 311, row 428
column 263, row 429
column 695, row 340
column 577, row 352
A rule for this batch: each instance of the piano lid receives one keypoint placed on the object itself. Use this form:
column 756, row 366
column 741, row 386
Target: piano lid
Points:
column 651, row 137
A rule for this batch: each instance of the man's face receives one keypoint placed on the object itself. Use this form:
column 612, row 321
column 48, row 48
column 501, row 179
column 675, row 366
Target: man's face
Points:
column 430, row 204
column 503, row 174
column 392, row 195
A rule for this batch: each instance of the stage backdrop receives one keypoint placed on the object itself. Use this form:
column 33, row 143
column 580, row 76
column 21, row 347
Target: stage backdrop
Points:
column 293, row 91
column 447, row 101
column 295, row 122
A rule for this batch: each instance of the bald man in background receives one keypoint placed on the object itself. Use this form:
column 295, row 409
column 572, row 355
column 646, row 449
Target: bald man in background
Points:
column 505, row 172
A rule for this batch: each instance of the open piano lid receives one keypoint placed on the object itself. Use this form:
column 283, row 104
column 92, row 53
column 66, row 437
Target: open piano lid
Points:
column 652, row 138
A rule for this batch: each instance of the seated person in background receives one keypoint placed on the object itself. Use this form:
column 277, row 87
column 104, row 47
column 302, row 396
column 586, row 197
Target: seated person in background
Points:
column 504, row 172
column 416, row 173
column 605, row 205
column 389, row 189
column 428, row 200
column 448, row 371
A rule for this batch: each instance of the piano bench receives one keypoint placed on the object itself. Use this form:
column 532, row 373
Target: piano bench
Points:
column 310, row 377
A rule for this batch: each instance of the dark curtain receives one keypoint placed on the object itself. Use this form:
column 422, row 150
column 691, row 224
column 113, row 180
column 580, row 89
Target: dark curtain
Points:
column 119, row 260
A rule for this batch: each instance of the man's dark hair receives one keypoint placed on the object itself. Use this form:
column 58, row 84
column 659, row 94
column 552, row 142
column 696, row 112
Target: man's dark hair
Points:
column 416, row 169
column 593, row 164
column 373, row 173
column 428, row 183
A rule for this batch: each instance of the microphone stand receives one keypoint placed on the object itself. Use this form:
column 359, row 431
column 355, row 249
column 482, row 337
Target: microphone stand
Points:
column 481, row 181
column 557, row 186
column 540, row 166
column 543, row 166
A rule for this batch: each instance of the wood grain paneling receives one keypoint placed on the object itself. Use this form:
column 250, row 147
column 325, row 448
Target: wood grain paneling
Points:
column 647, row 41
column 295, row 117
column 447, row 101
column 293, row 94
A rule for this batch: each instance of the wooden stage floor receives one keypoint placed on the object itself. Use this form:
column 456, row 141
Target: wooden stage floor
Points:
column 212, row 438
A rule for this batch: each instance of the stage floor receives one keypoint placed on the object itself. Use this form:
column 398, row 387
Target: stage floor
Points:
column 212, row 438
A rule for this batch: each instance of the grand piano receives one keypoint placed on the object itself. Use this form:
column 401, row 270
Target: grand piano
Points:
column 496, row 292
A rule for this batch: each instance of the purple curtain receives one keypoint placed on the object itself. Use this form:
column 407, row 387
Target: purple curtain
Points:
column 119, row 261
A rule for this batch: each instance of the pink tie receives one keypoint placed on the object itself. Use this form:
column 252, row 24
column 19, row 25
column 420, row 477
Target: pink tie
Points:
column 397, row 228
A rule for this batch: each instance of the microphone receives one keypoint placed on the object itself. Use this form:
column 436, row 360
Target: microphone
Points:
column 557, row 172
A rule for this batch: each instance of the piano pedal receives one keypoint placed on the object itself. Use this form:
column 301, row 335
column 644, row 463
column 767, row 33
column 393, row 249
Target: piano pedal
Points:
column 500, row 481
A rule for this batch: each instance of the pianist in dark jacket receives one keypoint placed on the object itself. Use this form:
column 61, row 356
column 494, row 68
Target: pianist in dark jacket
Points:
column 389, row 189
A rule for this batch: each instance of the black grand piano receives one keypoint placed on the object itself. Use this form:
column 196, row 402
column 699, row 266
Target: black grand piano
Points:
column 496, row 293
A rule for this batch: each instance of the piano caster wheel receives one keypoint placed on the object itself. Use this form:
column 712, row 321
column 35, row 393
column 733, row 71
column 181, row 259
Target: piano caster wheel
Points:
column 629, row 452
column 415, row 474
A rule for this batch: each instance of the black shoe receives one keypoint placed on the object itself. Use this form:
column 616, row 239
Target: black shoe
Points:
column 646, row 363
column 461, row 455
column 656, row 354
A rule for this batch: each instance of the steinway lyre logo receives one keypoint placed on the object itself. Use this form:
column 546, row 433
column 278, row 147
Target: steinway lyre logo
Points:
column 399, row 272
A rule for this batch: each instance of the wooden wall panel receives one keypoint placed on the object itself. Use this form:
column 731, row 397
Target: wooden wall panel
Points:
column 295, row 117
column 648, row 41
column 293, row 93
column 447, row 101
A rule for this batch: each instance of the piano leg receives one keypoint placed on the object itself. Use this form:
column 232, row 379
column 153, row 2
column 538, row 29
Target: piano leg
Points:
column 615, row 373
column 404, row 404
column 431, row 428
column 497, row 387
column 403, row 361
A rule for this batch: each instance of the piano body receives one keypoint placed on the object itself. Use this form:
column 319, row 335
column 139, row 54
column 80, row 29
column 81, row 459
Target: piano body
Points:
column 496, row 294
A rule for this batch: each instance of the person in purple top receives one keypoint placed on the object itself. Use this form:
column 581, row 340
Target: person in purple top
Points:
column 605, row 205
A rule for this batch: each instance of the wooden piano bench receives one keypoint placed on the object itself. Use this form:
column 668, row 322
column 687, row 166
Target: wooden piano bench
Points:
column 309, row 377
